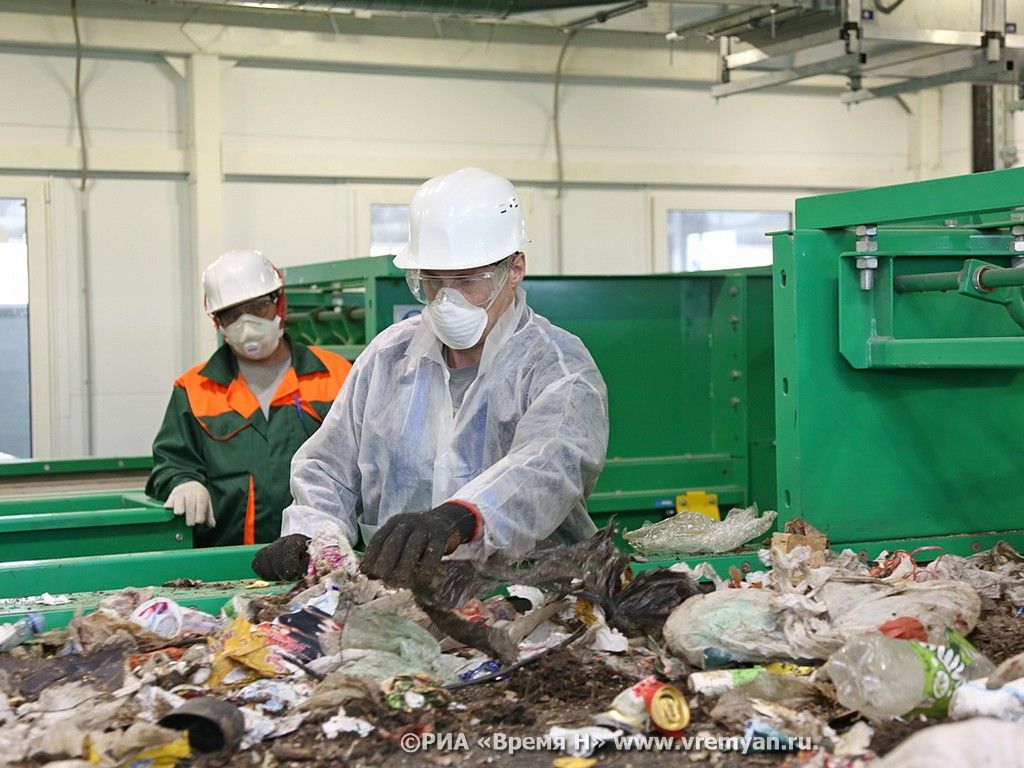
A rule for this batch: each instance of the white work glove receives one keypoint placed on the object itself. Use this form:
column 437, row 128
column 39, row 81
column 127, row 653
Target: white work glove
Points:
column 192, row 500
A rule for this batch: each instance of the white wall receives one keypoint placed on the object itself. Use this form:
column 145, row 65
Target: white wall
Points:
column 302, row 147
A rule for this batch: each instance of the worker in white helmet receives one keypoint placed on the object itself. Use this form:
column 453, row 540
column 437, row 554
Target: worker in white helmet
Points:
column 221, row 458
column 474, row 428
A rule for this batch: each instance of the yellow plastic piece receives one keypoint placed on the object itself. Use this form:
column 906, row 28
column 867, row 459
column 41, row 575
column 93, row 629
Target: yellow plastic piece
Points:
column 699, row 501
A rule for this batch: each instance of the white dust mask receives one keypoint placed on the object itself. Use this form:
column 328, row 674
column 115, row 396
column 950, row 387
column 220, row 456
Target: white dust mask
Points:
column 255, row 338
column 456, row 321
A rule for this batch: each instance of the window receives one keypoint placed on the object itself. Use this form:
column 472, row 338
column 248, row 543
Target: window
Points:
column 389, row 228
column 709, row 240
column 15, row 402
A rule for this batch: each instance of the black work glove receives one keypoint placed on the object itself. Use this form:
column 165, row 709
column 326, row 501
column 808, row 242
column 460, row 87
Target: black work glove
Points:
column 283, row 560
column 408, row 548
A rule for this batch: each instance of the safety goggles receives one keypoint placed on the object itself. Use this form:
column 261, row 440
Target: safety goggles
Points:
column 479, row 288
column 264, row 306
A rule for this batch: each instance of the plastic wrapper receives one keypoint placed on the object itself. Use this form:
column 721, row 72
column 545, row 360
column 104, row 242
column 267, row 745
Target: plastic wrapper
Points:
column 259, row 726
column 809, row 613
column 140, row 744
column 975, row 699
column 275, row 697
column 242, row 655
column 592, row 570
column 379, row 645
column 342, row 723
column 336, row 689
column 330, row 551
column 694, row 533
column 411, row 692
column 644, row 604
column 979, row 741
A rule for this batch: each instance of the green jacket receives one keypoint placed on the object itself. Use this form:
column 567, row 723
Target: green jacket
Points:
column 215, row 432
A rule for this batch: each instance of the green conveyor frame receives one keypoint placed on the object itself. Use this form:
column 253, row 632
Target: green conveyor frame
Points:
column 225, row 571
column 36, row 527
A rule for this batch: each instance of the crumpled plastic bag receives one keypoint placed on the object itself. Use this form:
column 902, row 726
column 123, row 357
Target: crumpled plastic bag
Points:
column 997, row 573
column 694, row 533
column 593, row 570
column 978, row 741
column 331, row 552
column 378, row 645
column 809, row 613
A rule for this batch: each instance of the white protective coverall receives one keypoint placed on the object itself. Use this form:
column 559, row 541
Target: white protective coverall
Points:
column 526, row 448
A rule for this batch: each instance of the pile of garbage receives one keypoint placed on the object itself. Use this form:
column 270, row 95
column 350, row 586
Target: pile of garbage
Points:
column 813, row 659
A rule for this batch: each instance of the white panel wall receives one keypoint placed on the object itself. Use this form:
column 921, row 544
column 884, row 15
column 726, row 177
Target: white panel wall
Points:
column 292, row 223
column 955, row 130
column 605, row 232
column 141, row 308
column 400, row 128
column 125, row 103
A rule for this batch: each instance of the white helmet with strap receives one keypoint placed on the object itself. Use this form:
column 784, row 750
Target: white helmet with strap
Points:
column 463, row 220
column 238, row 276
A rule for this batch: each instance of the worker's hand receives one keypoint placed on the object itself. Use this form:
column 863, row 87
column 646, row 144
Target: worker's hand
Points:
column 408, row 548
column 283, row 560
column 192, row 500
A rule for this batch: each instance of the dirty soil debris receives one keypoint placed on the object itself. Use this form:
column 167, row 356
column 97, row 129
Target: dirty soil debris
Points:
column 553, row 661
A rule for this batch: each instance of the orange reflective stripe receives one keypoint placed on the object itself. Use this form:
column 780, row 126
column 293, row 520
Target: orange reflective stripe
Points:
column 208, row 398
column 249, row 532
column 205, row 396
column 287, row 388
column 241, row 399
column 322, row 386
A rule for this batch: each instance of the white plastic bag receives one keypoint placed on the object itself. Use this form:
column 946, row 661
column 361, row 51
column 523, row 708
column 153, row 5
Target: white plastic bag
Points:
column 692, row 532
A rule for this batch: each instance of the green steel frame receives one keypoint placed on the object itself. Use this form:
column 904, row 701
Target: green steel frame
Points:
column 225, row 572
column 87, row 524
column 21, row 468
column 898, row 394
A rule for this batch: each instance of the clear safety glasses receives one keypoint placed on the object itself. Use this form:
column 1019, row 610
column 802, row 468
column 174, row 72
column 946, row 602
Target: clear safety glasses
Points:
column 264, row 306
column 479, row 288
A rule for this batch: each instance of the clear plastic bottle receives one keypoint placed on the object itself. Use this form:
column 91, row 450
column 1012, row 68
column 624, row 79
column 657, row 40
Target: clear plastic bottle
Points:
column 13, row 635
column 885, row 678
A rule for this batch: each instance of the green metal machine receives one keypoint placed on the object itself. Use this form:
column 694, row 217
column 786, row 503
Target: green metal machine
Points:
column 84, row 581
column 900, row 363
column 87, row 524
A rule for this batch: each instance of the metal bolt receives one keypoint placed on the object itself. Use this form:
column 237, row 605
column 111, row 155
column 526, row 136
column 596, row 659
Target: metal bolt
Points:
column 950, row 222
column 734, row 374
column 975, row 546
column 734, row 291
column 46, row 467
column 745, row 566
column 1018, row 246
column 863, row 554
column 735, row 401
column 867, row 230
column 178, row 537
column 734, row 319
column 867, row 265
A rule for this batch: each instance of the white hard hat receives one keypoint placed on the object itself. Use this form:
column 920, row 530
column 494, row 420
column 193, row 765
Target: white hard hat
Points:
column 238, row 276
column 462, row 220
